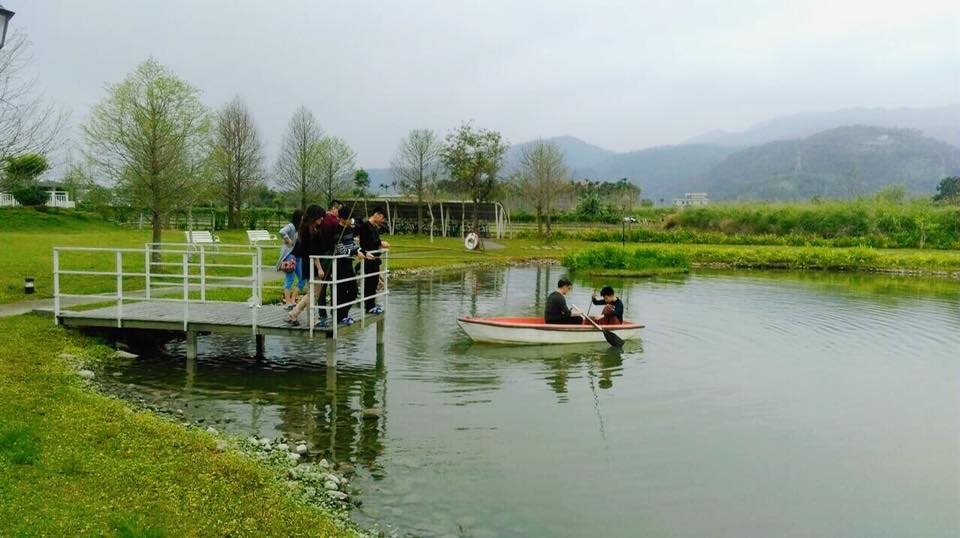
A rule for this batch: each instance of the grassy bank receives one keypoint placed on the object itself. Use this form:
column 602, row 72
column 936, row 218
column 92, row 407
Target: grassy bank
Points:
column 610, row 260
column 28, row 237
column 865, row 223
column 73, row 462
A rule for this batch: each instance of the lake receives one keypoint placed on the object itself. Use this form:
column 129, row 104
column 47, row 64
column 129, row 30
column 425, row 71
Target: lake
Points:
column 756, row 404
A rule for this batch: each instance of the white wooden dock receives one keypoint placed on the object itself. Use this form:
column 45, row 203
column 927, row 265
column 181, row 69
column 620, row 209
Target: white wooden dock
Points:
column 177, row 283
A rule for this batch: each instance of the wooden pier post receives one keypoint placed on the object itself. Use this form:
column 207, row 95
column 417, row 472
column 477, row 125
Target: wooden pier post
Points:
column 380, row 331
column 261, row 345
column 331, row 352
column 191, row 345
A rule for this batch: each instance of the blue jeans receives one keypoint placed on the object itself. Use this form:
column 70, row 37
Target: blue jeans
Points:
column 298, row 273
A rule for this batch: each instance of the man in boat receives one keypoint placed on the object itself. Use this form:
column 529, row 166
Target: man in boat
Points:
column 556, row 311
column 370, row 241
column 612, row 313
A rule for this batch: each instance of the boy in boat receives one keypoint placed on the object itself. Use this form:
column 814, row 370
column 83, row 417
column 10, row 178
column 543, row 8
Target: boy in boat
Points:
column 612, row 313
column 556, row 311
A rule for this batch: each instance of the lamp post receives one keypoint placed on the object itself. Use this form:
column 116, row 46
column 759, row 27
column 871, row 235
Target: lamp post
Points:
column 5, row 16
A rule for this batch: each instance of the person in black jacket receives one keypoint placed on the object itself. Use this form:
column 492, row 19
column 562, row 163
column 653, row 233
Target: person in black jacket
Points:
column 370, row 241
column 612, row 313
column 556, row 311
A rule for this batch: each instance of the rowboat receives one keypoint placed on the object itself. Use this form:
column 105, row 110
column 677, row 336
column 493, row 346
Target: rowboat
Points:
column 533, row 331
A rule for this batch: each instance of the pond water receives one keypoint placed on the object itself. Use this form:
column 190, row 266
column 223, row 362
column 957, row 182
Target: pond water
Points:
column 757, row 404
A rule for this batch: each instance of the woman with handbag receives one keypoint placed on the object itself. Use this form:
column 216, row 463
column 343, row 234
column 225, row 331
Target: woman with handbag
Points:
column 291, row 261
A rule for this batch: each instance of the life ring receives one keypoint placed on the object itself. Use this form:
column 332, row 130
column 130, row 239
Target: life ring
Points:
column 471, row 241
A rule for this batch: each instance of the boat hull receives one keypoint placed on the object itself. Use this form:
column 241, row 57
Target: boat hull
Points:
column 532, row 331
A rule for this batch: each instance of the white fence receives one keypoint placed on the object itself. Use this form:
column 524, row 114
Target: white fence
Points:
column 184, row 273
column 334, row 284
column 7, row 200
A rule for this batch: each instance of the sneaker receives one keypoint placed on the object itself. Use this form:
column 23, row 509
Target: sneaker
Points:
column 292, row 322
column 324, row 323
column 377, row 309
column 289, row 307
column 347, row 321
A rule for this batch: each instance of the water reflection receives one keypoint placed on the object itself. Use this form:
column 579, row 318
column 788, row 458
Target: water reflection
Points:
column 749, row 402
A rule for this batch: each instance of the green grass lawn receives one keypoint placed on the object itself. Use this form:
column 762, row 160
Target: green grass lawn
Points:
column 27, row 239
column 75, row 463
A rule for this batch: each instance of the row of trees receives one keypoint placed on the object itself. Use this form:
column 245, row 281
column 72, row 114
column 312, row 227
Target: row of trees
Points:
column 162, row 150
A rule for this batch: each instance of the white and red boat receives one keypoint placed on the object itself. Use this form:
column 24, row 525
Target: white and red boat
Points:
column 533, row 331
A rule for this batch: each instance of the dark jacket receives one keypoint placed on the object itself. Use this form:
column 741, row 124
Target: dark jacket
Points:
column 369, row 237
column 617, row 306
column 556, row 310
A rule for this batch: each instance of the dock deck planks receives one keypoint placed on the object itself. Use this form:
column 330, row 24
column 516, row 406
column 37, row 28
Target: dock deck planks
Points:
column 203, row 317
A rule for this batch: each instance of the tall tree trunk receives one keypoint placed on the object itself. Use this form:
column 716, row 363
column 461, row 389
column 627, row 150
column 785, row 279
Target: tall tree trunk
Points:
column 157, row 233
column 476, row 218
column 539, row 222
column 420, row 211
column 303, row 198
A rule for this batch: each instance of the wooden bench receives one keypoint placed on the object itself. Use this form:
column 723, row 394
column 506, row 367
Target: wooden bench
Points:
column 201, row 238
column 255, row 236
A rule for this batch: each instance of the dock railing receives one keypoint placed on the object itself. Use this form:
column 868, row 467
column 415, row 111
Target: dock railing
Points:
column 333, row 281
column 194, row 274
column 160, row 274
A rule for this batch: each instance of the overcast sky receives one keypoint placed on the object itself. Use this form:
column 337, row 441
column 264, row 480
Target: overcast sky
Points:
column 623, row 75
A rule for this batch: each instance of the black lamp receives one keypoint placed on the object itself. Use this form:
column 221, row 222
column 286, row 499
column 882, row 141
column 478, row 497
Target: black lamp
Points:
column 5, row 15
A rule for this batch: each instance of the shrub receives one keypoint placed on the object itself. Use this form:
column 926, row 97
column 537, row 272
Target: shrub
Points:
column 31, row 195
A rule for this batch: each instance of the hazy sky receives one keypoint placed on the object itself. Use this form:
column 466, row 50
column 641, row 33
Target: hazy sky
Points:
column 623, row 75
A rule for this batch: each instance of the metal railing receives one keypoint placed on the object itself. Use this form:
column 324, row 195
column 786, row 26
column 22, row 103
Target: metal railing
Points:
column 165, row 272
column 334, row 284
column 173, row 272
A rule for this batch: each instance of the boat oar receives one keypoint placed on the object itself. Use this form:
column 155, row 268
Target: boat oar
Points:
column 611, row 338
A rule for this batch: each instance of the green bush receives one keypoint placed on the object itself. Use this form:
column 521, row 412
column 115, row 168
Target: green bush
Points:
column 31, row 195
column 610, row 257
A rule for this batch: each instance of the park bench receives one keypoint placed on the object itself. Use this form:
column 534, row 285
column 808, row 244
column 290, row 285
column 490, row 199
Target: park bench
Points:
column 255, row 236
column 201, row 238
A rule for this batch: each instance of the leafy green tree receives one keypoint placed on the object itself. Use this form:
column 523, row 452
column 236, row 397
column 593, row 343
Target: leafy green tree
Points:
column 150, row 136
column 948, row 190
column 474, row 157
column 24, row 170
column 361, row 183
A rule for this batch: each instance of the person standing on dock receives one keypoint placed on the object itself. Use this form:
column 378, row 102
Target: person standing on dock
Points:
column 347, row 247
column 556, row 311
column 369, row 242
column 289, row 235
column 312, row 242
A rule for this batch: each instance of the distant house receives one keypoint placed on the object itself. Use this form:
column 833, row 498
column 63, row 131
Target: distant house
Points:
column 691, row 199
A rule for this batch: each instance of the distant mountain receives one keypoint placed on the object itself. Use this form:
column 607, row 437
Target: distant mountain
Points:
column 840, row 162
column 582, row 158
column 663, row 172
column 657, row 171
column 941, row 123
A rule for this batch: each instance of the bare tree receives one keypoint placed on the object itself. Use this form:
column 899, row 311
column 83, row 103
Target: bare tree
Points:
column 27, row 122
column 415, row 166
column 150, row 136
column 237, row 158
column 544, row 178
column 298, row 166
column 337, row 164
